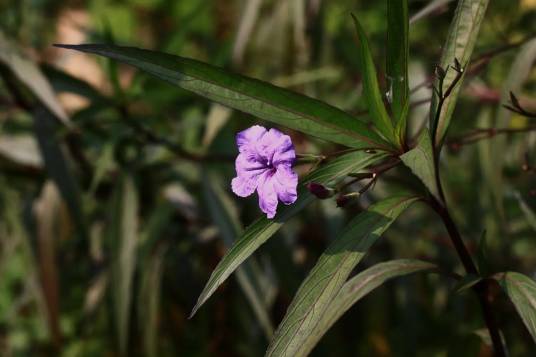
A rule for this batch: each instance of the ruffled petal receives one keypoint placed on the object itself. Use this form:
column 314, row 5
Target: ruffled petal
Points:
column 243, row 187
column 285, row 182
column 276, row 147
column 267, row 194
column 246, row 140
column 284, row 153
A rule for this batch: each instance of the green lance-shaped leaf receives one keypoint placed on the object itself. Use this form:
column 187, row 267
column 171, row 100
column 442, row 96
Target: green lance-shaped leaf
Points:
column 397, row 56
column 225, row 215
column 330, row 273
column 522, row 291
column 248, row 95
column 262, row 229
column 28, row 73
column 420, row 160
column 357, row 288
column 371, row 89
column 123, row 235
column 461, row 40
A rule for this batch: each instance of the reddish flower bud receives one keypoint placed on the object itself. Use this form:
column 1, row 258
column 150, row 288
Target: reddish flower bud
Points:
column 319, row 190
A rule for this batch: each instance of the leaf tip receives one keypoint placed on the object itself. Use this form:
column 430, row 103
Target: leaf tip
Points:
column 194, row 310
column 61, row 45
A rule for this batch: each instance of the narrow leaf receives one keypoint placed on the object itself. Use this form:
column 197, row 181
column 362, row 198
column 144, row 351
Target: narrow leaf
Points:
column 28, row 73
column 371, row 88
column 124, row 240
column 262, row 229
column 330, row 273
column 357, row 288
column 248, row 95
column 420, row 160
column 522, row 291
column 397, row 56
column 57, row 167
column 225, row 215
column 47, row 212
column 460, row 42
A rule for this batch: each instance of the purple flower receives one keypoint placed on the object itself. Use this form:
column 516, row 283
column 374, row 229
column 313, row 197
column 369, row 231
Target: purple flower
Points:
column 264, row 163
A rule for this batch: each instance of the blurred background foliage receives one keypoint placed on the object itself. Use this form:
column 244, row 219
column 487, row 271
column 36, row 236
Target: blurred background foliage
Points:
column 112, row 220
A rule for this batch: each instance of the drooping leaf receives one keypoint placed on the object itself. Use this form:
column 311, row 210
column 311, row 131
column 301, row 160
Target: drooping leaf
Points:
column 357, row 288
column 225, row 215
column 330, row 273
column 461, row 40
column 420, row 160
column 248, row 95
column 124, row 239
column 371, row 89
column 397, row 56
column 28, row 73
column 262, row 229
column 56, row 164
column 522, row 291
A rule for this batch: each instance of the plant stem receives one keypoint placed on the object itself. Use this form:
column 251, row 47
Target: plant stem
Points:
column 482, row 289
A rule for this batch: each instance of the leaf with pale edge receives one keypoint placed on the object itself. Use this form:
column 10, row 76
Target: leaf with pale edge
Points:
column 357, row 288
column 461, row 40
column 522, row 292
column 330, row 273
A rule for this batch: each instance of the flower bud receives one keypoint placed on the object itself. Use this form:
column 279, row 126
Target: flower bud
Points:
column 319, row 190
column 343, row 200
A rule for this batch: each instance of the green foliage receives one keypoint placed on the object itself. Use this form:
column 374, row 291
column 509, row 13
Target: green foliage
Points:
column 328, row 276
column 397, row 57
column 459, row 46
column 420, row 160
column 357, row 288
column 116, row 209
column 371, row 88
column 262, row 229
column 522, row 291
column 248, row 95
